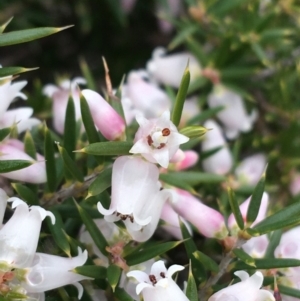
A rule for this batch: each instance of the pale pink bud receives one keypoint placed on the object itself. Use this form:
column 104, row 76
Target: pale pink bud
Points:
column 220, row 162
column 60, row 96
column 251, row 169
column 108, row 121
column 207, row 220
column 256, row 247
column 234, row 115
column 14, row 150
column 190, row 158
column 295, row 184
column 171, row 219
column 145, row 96
column 169, row 69
column 232, row 225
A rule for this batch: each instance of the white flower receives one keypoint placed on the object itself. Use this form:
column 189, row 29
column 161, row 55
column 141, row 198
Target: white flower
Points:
column 169, row 69
column 136, row 197
column 246, row 290
column 221, row 161
column 157, row 140
column 251, row 169
column 234, row 115
column 159, row 285
column 22, row 270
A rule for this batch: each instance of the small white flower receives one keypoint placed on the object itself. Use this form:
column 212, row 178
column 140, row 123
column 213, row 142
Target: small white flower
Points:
column 234, row 115
column 246, row 290
column 159, row 285
column 157, row 140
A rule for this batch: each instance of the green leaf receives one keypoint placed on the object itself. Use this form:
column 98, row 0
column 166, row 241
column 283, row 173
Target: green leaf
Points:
column 87, row 74
column 6, row 71
column 235, row 208
column 50, row 160
column 207, row 262
column 180, row 97
column 102, row 182
column 92, row 228
column 289, row 291
column 4, row 25
column 69, row 211
column 274, row 241
column 11, row 165
column 70, row 165
column 268, row 263
column 93, row 271
column 29, row 145
column 220, row 8
column 260, row 53
column 70, row 129
column 58, row 234
column 209, row 113
column 176, row 182
column 109, row 148
column 27, row 35
column 287, row 216
column 256, row 198
column 26, row 193
column 191, row 289
column 193, row 177
column 242, row 255
column 121, row 295
column 113, row 275
column 183, row 35
column 4, row 133
column 150, row 252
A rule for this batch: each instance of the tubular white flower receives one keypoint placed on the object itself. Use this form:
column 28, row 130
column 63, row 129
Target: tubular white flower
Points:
column 48, row 272
column 221, row 161
column 159, row 285
column 136, row 197
column 234, row 115
column 246, row 290
column 3, row 202
column 19, row 236
column 157, row 140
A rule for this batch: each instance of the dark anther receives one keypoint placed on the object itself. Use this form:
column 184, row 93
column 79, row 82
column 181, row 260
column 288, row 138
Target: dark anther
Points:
column 162, row 275
column 161, row 146
column 152, row 279
column 149, row 140
column 166, row 132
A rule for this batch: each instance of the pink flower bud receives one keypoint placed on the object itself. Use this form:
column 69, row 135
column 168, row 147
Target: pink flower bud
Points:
column 190, row 158
column 14, row 150
column 295, row 184
column 107, row 120
column 208, row 221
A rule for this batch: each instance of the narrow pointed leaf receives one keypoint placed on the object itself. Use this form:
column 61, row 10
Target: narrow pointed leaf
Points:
column 289, row 291
column 207, row 262
column 242, row 255
column 69, row 211
column 4, row 133
column 26, row 194
column 274, row 241
column 50, row 160
column 268, row 263
column 87, row 74
column 235, row 208
column 29, row 145
column 181, row 96
column 27, row 35
column 176, row 182
column 102, row 182
column 70, row 129
column 113, row 275
column 150, row 252
column 191, row 289
column 58, row 233
column 4, row 25
column 121, row 294
column 209, row 113
column 287, row 216
column 109, row 148
column 6, row 71
column 93, row 271
column 70, row 164
column 94, row 231
column 11, row 165
column 256, row 198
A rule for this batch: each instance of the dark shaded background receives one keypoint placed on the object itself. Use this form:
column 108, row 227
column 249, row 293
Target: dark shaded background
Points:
column 126, row 42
